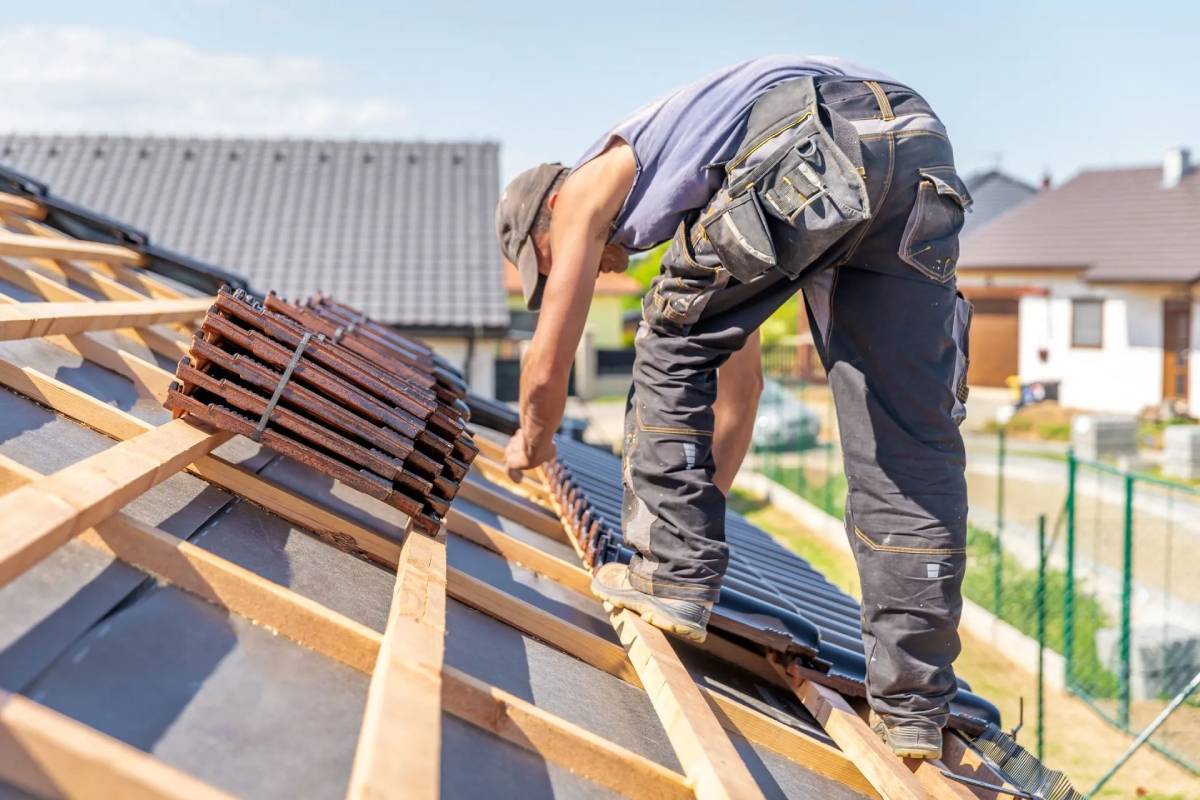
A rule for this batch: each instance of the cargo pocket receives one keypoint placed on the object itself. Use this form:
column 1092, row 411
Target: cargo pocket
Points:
column 678, row 295
column 963, row 311
column 930, row 241
column 739, row 235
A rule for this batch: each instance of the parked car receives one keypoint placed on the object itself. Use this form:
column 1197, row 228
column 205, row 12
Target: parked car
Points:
column 783, row 422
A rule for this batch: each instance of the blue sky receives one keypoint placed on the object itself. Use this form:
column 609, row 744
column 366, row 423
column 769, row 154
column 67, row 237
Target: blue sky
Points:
column 1027, row 86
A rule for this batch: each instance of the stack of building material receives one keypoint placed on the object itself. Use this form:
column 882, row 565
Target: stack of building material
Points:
column 1181, row 451
column 322, row 384
column 1097, row 436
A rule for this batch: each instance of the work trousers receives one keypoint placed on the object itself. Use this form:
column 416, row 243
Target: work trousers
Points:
column 863, row 216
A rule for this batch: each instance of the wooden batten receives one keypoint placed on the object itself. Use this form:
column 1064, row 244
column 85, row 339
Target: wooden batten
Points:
column 51, row 755
column 17, row 206
column 887, row 773
column 708, row 757
column 40, row 516
column 54, row 291
column 511, row 549
column 533, row 518
column 134, row 277
column 399, row 747
column 557, row 740
column 553, row 630
column 27, row 246
column 32, row 320
column 114, row 422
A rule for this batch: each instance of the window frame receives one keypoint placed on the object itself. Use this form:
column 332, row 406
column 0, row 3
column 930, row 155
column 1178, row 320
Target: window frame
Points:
column 1075, row 303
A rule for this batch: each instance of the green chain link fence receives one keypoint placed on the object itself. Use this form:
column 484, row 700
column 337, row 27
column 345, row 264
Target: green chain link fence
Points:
column 1131, row 600
column 1095, row 565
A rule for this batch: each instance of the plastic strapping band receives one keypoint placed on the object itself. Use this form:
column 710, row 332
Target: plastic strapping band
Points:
column 287, row 375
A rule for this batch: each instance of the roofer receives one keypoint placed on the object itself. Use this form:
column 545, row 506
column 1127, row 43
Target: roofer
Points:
column 778, row 175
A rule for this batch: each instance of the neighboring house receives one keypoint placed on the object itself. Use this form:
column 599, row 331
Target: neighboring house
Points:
column 1094, row 284
column 994, row 193
column 604, row 355
column 402, row 230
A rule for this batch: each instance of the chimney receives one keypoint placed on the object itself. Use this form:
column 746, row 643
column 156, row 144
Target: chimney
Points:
column 1176, row 165
column 1045, row 185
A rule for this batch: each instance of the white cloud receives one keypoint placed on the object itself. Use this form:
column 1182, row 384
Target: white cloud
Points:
column 70, row 80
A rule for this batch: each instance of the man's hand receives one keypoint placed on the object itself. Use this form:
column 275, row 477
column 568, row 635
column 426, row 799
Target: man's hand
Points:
column 518, row 457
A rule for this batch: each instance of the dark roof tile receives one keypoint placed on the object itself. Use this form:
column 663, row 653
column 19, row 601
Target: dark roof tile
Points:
column 402, row 230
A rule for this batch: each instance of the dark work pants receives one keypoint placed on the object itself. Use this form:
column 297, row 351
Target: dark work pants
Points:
column 892, row 333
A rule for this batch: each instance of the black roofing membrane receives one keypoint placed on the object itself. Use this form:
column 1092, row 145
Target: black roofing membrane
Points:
column 42, row 439
column 475, row 764
column 74, row 371
column 336, row 497
column 530, row 587
column 239, row 707
column 556, row 682
column 53, row 603
column 559, row 549
column 284, row 554
column 59, row 598
column 781, row 779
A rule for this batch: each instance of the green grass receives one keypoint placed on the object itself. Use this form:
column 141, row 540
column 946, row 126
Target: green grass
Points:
column 1018, row 607
column 830, row 496
column 837, row 567
column 1018, row 592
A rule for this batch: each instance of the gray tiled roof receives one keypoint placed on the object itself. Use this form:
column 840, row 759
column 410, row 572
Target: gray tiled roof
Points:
column 994, row 193
column 402, row 230
column 1116, row 224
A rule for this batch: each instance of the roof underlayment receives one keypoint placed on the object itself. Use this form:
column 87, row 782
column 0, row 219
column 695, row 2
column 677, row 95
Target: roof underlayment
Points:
column 184, row 613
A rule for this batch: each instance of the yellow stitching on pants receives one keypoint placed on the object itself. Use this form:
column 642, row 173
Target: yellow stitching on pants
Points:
column 885, row 107
column 660, row 429
column 918, row 551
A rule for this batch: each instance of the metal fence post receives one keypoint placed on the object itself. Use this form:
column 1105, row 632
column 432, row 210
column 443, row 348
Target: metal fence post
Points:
column 998, row 567
column 1040, row 607
column 1069, row 583
column 1126, row 602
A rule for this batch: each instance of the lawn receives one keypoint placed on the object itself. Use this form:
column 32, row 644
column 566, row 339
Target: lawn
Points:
column 1078, row 741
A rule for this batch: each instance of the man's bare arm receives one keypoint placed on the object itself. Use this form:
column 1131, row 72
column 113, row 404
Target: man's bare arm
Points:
column 585, row 208
column 739, row 385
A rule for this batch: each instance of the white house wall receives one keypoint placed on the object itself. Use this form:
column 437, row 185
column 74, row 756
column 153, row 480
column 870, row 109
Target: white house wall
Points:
column 481, row 372
column 1123, row 376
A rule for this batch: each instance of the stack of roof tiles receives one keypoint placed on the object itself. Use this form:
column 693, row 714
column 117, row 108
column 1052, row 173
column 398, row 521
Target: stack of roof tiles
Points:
column 325, row 385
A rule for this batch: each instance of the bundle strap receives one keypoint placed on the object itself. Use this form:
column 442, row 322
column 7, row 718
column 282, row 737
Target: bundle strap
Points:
column 283, row 381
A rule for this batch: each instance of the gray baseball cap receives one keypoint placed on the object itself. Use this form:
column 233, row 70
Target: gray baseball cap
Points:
column 515, row 215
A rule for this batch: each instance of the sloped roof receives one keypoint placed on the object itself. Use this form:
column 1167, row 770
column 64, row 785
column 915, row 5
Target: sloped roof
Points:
column 1115, row 224
column 993, row 192
column 402, row 230
column 189, row 614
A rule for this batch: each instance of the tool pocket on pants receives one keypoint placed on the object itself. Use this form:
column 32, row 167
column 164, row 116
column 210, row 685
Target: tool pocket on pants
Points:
column 791, row 197
column 963, row 312
column 930, row 241
column 687, row 282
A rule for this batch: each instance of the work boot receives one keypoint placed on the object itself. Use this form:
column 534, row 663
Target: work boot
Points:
column 909, row 738
column 687, row 619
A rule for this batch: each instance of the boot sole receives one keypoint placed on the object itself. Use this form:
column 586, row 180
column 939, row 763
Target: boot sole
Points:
column 648, row 614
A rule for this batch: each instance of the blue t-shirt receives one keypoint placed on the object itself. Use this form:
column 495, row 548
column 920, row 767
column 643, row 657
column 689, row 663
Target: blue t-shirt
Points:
column 682, row 140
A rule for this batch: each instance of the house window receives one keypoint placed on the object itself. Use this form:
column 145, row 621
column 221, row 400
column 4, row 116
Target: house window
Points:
column 1087, row 322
